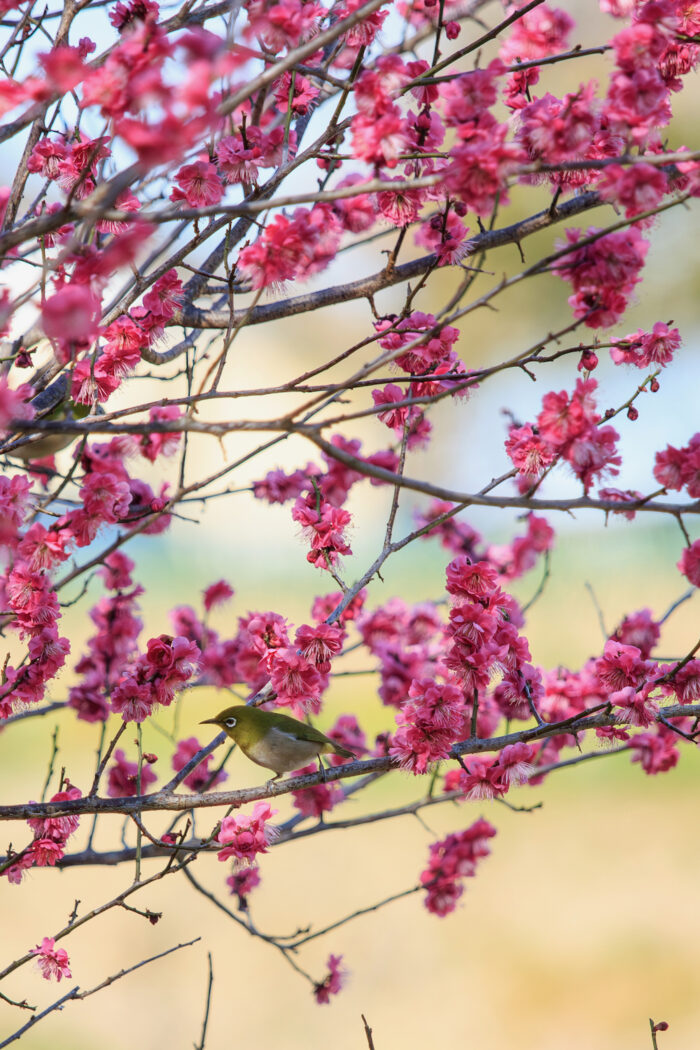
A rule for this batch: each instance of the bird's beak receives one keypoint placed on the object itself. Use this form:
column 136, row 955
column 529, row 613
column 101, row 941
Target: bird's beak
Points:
column 209, row 722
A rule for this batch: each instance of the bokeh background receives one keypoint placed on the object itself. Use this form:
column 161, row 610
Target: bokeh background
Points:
column 585, row 920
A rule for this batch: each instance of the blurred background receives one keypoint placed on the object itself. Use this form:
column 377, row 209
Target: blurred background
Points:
column 585, row 921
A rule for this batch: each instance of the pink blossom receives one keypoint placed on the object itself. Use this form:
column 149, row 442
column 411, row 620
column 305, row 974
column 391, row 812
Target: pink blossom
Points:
column 380, row 139
column 284, row 24
column 116, row 571
column 669, row 467
column 637, row 188
column 244, row 835
column 46, row 157
column 594, row 455
column 238, row 161
column 482, row 779
column 124, row 341
column 163, row 443
column 242, row 883
column 319, row 644
column 64, row 67
column 278, row 487
column 451, row 860
column 612, row 495
column 647, row 348
column 444, row 234
column 324, row 606
column 394, row 418
column 470, row 579
column 126, row 15
column 479, row 164
column 123, row 777
column 57, row 829
column 163, row 299
column 201, row 778
column 472, row 626
column 294, row 679
column 44, row 548
column 45, row 852
column 259, row 636
column 303, row 94
column 198, row 184
column 325, row 527
column 621, row 666
column 683, row 683
column 429, row 723
column 603, row 273
column 515, row 763
column 217, row 594
column 637, row 102
column 635, row 707
column 558, row 131
column 53, row 962
column 292, row 248
column 319, row 798
column 639, row 629
column 106, row 496
column 93, row 382
column 689, row 564
column 356, row 213
column 655, row 751
column 70, row 318
column 332, row 982
column 400, row 207
column 538, row 33
column 430, row 343
column 77, row 169
column 469, row 94
column 641, row 43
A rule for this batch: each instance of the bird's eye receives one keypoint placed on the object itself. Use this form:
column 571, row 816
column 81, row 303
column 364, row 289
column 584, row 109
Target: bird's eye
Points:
column 230, row 722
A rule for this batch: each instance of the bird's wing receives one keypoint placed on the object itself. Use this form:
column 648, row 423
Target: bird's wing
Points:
column 300, row 730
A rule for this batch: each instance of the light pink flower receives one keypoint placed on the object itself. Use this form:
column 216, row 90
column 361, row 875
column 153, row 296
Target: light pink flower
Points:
column 53, row 962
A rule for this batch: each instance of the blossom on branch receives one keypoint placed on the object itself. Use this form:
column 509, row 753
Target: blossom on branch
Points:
column 244, row 835
column 52, row 961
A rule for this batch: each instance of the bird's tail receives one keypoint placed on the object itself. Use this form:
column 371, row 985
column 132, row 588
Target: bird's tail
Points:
column 343, row 752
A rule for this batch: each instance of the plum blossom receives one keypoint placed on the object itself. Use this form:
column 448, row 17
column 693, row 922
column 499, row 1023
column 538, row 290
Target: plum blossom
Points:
column 244, row 835
column 123, row 777
column 644, row 349
column 429, row 723
column 689, row 563
column 52, row 961
column 452, row 860
column 201, row 778
column 332, row 982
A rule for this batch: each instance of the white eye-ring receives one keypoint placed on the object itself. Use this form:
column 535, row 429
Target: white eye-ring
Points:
column 230, row 722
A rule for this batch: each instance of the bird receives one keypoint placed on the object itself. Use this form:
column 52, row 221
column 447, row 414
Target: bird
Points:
column 276, row 741
column 49, row 444
column 55, row 405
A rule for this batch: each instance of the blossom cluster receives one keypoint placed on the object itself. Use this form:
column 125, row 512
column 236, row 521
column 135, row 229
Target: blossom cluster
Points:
column 50, row 837
column 245, row 835
column 451, row 860
column 567, row 428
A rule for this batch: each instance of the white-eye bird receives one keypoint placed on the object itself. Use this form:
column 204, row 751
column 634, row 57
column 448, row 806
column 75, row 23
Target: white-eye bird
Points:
column 275, row 741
